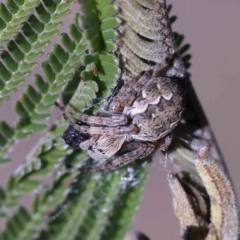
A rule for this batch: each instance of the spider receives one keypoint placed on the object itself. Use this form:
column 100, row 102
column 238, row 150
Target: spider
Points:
column 141, row 117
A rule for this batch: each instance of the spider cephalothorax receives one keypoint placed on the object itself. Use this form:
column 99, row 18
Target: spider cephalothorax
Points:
column 140, row 118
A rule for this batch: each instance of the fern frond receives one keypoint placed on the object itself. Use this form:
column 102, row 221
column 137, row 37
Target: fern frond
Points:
column 89, row 200
column 144, row 43
column 110, row 190
column 125, row 209
column 39, row 163
column 12, row 16
column 98, row 25
column 49, row 152
column 18, row 221
column 34, row 105
column 18, row 59
column 85, row 201
column 76, row 210
column 50, row 198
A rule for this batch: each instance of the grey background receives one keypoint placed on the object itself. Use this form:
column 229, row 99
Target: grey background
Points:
column 212, row 29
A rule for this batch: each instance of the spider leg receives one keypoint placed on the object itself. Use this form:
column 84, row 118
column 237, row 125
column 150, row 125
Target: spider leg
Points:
column 120, row 130
column 139, row 151
column 112, row 120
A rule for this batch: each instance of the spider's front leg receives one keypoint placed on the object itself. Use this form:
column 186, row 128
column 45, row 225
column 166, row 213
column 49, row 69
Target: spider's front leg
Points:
column 131, row 152
column 110, row 119
column 112, row 124
column 120, row 130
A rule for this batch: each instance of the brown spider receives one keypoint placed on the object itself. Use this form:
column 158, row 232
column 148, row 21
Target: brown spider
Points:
column 140, row 118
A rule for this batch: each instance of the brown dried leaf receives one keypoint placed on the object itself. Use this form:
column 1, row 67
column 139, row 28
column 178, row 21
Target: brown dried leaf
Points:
column 224, row 212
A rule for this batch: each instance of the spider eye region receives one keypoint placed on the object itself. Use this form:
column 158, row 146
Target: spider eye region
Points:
column 73, row 137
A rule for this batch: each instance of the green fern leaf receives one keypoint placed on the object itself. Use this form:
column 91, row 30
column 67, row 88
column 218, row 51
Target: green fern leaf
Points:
column 83, row 206
column 12, row 16
column 18, row 60
column 34, row 105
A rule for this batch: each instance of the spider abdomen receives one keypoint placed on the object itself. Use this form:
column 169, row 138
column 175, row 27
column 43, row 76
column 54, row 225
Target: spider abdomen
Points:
column 157, row 108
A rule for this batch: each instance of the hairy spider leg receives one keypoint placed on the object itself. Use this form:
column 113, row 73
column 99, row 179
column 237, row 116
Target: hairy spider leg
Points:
column 112, row 120
column 121, row 130
column 140, row 151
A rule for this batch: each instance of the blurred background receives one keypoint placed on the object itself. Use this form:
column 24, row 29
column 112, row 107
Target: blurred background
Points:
column 212, row 29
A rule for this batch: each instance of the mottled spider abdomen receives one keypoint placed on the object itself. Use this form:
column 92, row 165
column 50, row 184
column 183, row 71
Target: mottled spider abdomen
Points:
column 73, row 137
column 156, row 108
column 165, row 102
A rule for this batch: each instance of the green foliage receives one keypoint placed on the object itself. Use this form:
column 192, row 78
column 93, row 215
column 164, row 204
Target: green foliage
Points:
column 86, row 57
column 34, row 106
column 12, row 16
column 100, row 194
column 19, row 58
